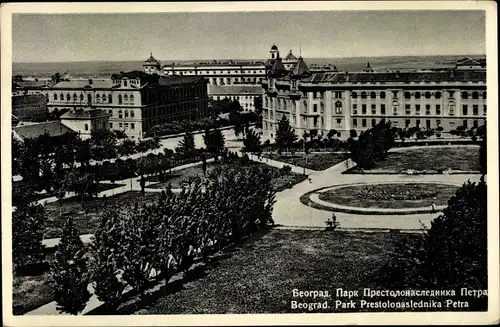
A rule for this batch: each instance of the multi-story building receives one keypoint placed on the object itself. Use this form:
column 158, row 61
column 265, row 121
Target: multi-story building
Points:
column 345, row 100
column 135, row 101
column 230, row 72
column 244, row 94
column 86, row 121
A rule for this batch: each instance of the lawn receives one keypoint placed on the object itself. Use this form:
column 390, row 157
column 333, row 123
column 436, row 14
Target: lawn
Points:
column 30, row 292
column 314, row 161
column 437, row 159
column 393, row 196
column 260, row 276
column 177, row 178
column 87, row 219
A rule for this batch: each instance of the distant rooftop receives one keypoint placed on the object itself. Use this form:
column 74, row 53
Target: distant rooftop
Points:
column 53, row 128
column 234, row 89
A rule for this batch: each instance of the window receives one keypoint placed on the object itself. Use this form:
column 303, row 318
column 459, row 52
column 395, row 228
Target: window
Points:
column 427, row 109
column 120, row 125
column 132, row 114
column 427, row 95
column 110, row 125
column 373, row 95
column 98, row 98
column 321, row 105
column 484, row 95
column 417, row 109
column 374, row 109
column 120, row 99
column 104, row 98
column 363, row 95
column 126, row 125
column 417, row 122
column 354, row 109
column 86, row 127
column 126, row 113
column 465, row 123
column 62, row 97
column 339, row 122
column 315, row 108
column 55, row 96
column 465, row 95
column 465, row 109
column 354, row 95
column 363, row 122
column 407, row 123
column 475, row 124
column 438, row 122
column 89, row 98
column 417, row 95
column 382, row 95
column 120, row 114
column 428, row 123
column 68, row 98
column 125, row 99
column 395, row 107
column 438, row 109
column 475, row 110
column 407, row 109
column 125, row 83
column 363, row 109
column 110, row 99
column 407, row 95
column 451, row 108
column 355, row 122
column 374, row 122
column 475, row 95
column 382, row 109
column 484, row 109
column 338, row 107
column 437, row 95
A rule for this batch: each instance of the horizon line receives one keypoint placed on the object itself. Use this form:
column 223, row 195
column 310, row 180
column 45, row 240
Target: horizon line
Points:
column 247, row 59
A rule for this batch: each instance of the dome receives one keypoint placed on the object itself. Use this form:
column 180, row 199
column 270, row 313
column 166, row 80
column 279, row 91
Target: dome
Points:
column 290, row 56
column 274, row 47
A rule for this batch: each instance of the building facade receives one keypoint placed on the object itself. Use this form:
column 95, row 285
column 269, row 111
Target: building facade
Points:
column 244, row 94
column 343, row 101
column 135, row 101
column 223, row 73
column 86, row 121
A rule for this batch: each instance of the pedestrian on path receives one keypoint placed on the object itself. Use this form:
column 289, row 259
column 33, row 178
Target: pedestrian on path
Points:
column 433, row 207
column 310, row 180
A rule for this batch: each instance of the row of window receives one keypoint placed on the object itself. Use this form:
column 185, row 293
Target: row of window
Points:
column 207, row 72
column 475, row 123
column 121, row 126
column 125, row 99
column 229, row 81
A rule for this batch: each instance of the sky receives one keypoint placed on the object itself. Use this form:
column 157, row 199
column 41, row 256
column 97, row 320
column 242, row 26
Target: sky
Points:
column 245, row 35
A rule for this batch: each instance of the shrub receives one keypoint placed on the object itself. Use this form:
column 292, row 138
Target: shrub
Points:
column 69, row 272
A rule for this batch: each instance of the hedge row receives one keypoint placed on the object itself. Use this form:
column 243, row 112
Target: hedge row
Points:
column 133, row 247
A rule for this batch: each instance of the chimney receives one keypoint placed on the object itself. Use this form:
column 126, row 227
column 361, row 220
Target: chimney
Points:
column 90, row 81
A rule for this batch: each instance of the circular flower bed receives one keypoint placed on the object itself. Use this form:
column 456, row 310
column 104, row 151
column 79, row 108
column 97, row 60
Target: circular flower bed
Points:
column 394, row 196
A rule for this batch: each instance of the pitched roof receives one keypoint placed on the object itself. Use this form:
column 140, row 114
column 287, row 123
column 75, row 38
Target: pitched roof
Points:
column 54, row 128
column 290, row 56
column 301, row 69
column 277, row 69
column 235, row 89
column 80, row 84
column 84, row 114
column 401, row 77
column 30, row 84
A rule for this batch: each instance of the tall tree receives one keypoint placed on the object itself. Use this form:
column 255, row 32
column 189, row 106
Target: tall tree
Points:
column 214, row 141
column 28, row 220
column 285, row 135
column 186, row 147
column 69, row 272
column 251, row 142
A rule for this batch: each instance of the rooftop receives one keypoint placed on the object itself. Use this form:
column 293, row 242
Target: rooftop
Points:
column 53, row 128
column 234, row 89
column 84, row 114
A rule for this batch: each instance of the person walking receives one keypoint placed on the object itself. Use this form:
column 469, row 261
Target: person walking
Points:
column 433, row 207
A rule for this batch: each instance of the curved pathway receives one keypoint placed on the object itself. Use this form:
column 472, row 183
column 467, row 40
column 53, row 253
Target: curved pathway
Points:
column 289, row 211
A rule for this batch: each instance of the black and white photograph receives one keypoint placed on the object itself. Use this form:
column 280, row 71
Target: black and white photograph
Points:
column 214, row 162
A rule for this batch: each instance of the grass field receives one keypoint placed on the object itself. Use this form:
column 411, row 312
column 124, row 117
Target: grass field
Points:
column 87, row 219
column 314, row 161
column 177, row 177
column 260, row 276
column 30, row 292
column 353, row 197
column 438, row 159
